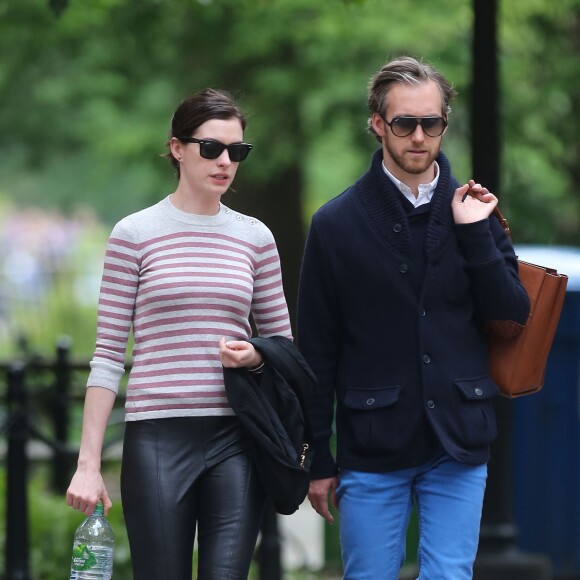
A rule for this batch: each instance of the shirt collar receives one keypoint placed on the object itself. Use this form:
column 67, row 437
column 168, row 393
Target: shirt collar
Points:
column 426, row 190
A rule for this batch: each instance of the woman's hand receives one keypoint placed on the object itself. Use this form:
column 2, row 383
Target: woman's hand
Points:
column 239, row 353
column 87, row 486
column 85, row 490
column 474, row 206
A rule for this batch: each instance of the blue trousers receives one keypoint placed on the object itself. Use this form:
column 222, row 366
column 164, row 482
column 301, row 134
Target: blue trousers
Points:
column 374, row 512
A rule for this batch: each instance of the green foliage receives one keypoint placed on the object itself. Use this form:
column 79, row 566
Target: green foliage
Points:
column 541, row 105
column 87, row 96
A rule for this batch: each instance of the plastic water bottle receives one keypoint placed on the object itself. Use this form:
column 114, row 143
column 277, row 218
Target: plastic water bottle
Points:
column 93, row 546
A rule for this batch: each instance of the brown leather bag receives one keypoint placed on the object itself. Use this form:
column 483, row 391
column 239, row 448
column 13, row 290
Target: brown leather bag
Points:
column 518, row 364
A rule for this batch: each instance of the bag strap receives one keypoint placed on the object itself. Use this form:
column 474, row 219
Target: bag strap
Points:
column 503, row 221
column 497, row 213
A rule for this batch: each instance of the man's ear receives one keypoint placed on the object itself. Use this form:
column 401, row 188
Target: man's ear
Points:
column 378, row 124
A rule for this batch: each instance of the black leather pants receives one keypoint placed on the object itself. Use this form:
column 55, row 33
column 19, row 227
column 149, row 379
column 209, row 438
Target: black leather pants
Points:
column 182, row 473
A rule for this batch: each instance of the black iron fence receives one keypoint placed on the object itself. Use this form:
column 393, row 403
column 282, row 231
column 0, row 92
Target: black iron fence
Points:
column 39, row 399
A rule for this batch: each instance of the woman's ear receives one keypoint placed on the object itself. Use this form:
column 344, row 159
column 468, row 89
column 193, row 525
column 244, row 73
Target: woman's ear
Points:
column 176, row 147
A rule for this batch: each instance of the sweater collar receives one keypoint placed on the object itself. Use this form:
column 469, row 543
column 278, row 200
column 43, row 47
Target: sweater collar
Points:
column 378, row 197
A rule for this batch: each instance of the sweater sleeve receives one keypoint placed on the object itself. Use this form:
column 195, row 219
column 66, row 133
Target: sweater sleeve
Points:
column 116, row 306
column 493, row 268
column 318, row 339
column 269, row 308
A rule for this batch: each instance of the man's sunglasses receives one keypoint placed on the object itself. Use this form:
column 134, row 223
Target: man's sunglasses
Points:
column 210, row 149
column 405, row 126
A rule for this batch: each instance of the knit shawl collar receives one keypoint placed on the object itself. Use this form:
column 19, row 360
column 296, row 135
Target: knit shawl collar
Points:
column 378, row 197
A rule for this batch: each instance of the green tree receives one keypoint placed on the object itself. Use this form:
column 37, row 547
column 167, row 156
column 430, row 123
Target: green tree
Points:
column 87, row 97
column 541, row 118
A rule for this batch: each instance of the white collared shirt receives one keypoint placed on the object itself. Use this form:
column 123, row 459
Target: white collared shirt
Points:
column 426, row 190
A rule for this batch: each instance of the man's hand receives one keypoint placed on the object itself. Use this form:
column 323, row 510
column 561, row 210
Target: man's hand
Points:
column 474, row 206
column 318, row 496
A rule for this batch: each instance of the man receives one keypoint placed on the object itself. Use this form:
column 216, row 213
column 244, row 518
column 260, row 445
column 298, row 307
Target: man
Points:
column 402, row 273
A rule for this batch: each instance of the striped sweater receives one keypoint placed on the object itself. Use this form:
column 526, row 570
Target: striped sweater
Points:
column 183, row 281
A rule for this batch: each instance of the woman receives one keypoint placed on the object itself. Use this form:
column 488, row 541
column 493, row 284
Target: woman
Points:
column 185, row 273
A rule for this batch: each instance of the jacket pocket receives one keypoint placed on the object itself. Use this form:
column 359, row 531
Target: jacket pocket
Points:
column 476, row 421
column 371, row 416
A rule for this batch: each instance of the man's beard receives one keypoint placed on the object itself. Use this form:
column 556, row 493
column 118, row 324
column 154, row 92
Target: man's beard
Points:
column 408, row 167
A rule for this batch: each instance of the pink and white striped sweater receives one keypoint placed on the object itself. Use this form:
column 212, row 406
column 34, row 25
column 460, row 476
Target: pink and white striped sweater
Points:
column 183, row 281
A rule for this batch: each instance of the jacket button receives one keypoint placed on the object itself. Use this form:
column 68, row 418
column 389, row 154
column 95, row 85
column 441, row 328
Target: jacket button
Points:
column 426, row 359
column 397, row 228
column 431, row 404
column 478, row 391
column 423, row 312
column 403, row 268
column 370, row 401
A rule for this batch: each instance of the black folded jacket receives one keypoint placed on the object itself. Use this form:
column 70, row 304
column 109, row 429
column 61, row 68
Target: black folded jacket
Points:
column 273, row 411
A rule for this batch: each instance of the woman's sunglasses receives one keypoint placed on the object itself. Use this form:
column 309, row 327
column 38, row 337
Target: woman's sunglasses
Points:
column 405, row 126
column 210, row 149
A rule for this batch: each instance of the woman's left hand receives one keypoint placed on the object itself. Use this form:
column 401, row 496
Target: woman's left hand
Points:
column 239, row 353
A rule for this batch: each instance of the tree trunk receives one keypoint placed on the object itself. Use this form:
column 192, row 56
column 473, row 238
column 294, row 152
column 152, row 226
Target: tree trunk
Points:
column 277, row 203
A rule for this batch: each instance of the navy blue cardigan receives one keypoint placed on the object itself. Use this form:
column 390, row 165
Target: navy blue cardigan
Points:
column 402, row 362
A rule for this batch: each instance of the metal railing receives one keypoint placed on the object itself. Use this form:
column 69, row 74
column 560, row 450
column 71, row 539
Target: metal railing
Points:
column 40, row 397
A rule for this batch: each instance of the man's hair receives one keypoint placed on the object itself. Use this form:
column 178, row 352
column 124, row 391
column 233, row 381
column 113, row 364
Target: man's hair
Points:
column 405, row 70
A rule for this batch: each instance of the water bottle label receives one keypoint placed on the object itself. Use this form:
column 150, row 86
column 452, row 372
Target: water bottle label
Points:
column 83, row 558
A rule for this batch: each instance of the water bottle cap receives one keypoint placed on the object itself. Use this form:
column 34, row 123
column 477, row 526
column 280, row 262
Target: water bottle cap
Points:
column 99, row 509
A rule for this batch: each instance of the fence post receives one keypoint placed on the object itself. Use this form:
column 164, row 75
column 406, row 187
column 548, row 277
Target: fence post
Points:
column 497, row 556
column 17, row 476
column 61, row 417
column 269, row 553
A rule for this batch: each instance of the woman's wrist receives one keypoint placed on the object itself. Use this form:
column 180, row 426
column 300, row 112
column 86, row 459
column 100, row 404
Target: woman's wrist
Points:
column 257, row 368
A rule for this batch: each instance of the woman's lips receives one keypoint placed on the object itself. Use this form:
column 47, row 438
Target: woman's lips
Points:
column 220, row 177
